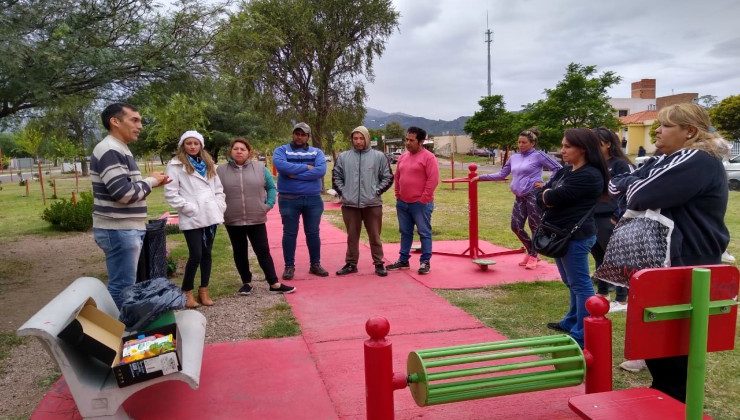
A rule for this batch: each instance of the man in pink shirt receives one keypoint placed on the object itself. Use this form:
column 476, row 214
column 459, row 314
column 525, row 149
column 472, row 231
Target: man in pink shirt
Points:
column 415, row 180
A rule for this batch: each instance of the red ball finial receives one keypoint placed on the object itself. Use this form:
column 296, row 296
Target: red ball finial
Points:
column 472, row 167
column 377, row 327
column 597, row 306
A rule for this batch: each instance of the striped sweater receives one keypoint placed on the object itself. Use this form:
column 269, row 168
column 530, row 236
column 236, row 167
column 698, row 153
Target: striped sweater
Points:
column 119, row 191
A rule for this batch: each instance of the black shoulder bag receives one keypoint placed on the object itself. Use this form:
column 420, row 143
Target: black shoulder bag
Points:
column 552, row 241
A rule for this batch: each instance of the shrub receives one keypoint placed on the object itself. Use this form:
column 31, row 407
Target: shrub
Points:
column 171, row 229
column 66, row 216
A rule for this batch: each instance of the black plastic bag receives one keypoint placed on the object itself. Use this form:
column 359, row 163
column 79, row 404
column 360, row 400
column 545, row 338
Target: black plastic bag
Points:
column 144, row 302
column 153, row 257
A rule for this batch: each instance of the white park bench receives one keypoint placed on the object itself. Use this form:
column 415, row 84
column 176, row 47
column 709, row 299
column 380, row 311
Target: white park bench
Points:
column 93, row 385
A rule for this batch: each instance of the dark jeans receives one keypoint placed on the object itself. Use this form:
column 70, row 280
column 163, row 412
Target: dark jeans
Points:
column 604, row 229
column 573, row 268
column 240, row 237
column 292, row 207
column 669, row 375
column 419, row 215
column 200, row 244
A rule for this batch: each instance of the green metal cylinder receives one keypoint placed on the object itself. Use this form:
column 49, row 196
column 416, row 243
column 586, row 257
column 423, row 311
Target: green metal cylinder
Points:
column 459, row 373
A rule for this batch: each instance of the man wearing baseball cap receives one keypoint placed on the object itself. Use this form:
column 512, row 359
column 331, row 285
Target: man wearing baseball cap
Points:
column 301, row 170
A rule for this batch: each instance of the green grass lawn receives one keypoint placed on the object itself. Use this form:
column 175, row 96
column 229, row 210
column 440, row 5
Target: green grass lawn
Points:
column 517, row 310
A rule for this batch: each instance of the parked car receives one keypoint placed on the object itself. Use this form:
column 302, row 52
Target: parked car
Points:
column 392, row 158
column 732, row 166
column 481, row 152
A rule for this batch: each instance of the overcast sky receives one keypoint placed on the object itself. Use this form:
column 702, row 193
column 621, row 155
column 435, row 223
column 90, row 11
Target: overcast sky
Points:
column 435, row 65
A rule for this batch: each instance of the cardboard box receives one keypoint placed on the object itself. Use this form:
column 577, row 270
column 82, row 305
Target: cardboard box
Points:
column 153, row 367
column 95, row 333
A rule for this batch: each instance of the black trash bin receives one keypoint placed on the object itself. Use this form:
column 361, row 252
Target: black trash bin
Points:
column 153, row 258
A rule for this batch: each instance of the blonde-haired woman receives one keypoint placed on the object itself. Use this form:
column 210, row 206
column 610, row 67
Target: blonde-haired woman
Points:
column 688, row 183
column 198, row 196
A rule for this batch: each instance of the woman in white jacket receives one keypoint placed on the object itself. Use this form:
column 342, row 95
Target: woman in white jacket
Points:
column 198, row 196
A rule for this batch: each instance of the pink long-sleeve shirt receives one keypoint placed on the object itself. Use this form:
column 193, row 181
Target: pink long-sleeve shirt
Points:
column 416, row 177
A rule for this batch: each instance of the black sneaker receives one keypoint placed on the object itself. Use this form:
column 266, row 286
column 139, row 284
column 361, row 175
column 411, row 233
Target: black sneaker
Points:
column 555, row 326
column 380, row 270
column 284, row 288
column 318, row 270
column 424, row 267
column 289, row 272
column 348, row 268
column 398, row 265
column 245, row 290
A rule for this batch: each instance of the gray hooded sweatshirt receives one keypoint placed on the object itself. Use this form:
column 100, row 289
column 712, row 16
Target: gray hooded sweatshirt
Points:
column 360, row 177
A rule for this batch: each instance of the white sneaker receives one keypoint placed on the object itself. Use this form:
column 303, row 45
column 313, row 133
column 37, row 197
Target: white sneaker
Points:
column 633, row 365
column 617, row 307
column 727, row 258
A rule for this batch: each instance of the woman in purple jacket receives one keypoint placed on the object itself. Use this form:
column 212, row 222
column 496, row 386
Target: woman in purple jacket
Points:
column 525, row 168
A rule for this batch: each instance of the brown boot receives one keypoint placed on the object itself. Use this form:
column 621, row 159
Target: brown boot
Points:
column 190, row 301
column 203, row 296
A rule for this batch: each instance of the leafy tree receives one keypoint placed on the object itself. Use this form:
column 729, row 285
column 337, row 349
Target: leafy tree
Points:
column 707, row 101
column 30, row 139
column 394, row 130
column 179, row 114
column 55, row 49
column 306, row 60
column 726, row 117
column 493, row 125
column 8, row 145
column 579, row 100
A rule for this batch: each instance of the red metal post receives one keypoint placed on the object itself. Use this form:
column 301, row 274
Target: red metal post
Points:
column 473, row 211
column 452, row 166
column 378, row 370
column 598, row 346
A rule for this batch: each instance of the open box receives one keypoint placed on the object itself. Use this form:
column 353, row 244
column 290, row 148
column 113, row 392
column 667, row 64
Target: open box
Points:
column 101, row 336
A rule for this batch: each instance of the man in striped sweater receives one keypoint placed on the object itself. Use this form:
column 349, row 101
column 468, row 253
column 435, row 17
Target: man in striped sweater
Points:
column 119, row 193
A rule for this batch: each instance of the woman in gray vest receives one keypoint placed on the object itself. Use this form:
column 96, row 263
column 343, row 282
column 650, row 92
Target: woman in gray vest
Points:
column 250, row 194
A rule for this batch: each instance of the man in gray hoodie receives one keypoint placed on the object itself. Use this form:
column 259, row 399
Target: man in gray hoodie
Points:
column 361, row 175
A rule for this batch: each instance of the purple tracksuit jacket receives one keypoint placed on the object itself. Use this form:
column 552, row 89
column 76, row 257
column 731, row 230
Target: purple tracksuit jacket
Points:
column 526, row 169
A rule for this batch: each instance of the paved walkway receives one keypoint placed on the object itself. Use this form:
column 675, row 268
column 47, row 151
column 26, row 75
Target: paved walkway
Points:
column 320, row 373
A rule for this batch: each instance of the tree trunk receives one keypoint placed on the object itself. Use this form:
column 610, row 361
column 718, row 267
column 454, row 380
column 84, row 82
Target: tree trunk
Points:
column 83, row 166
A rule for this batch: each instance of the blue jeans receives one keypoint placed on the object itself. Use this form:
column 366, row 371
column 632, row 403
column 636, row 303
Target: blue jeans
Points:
column 122, row 249
column 291, row 208
column 419, row 215
column 573, row 268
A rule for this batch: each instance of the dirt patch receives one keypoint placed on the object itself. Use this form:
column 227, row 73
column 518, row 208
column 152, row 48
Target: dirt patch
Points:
column 35, row 269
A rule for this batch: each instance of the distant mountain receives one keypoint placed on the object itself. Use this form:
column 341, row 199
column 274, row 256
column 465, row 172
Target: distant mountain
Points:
column 376, row 118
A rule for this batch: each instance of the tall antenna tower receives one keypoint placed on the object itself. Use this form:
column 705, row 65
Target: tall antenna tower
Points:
column 488, row 41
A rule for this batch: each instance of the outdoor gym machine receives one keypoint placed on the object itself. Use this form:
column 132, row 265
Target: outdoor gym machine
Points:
column 467, row 372
column 473, row 251
column 672, row 311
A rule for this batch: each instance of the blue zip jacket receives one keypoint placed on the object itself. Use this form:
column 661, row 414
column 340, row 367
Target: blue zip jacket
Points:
column 294, row 177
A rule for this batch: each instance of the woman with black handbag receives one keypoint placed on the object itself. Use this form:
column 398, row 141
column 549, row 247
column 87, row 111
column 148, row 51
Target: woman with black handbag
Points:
column 688, row 183
column 568, row 199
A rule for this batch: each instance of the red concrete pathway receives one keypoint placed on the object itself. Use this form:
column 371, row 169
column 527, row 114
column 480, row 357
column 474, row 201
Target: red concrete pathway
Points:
column 320, row 374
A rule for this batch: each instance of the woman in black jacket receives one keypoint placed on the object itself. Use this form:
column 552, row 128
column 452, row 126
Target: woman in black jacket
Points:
column 567, row 197
column 688, row 184
column 607, row 213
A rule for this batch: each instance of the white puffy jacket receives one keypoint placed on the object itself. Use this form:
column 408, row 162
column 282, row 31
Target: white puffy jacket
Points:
column 200, row 202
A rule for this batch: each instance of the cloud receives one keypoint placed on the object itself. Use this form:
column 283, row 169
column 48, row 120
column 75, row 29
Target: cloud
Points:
column 435, row 66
